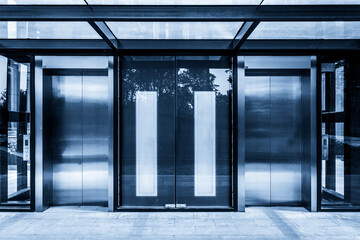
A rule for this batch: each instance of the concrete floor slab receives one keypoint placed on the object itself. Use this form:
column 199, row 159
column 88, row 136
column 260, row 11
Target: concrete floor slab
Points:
column 79, row 223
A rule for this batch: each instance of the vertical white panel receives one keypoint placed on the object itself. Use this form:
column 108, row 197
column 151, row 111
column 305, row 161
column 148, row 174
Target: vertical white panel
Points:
column 205, row 148
column 146, row 143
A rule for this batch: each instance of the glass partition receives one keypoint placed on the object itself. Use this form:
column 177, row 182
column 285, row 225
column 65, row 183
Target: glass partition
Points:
column 340, row 173
column 14, row 133
column 176, row 132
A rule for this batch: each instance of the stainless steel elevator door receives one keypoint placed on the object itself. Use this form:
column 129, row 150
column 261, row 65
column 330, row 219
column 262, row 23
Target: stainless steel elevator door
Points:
column 257, row 141
column 273, row 140
column 285, row 131
column 79, row 139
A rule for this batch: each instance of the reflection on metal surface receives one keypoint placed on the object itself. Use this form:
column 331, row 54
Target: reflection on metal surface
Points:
column 239, row 115
column 205, row 145
column 79, row 139
column 257, row 140
column 313, row 134
column 113, row 93
column 146, row 143
column 66, row 139
column 95, row 139
column 273, row 140
column 285, row 131
column 38, row 85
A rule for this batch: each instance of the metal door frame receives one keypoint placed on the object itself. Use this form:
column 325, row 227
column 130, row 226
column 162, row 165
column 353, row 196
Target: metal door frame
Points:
column 42, row 200
column 241, row 129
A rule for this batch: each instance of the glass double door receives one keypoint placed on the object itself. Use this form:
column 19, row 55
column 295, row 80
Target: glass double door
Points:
column 175, row 132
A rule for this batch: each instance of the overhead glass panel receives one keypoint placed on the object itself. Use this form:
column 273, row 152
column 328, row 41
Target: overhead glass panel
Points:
column 37, row 2
column 175, row 2
column 47, row 30
column 175, row 30
column 307, row 30
column 309, row 2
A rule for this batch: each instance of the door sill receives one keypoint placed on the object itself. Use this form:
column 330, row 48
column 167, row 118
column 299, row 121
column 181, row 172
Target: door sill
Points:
column 163, row 209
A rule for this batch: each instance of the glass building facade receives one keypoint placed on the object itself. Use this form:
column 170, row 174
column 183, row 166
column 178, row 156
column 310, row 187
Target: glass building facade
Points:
column 179, row 105
column 15, row 133
column 339, row 123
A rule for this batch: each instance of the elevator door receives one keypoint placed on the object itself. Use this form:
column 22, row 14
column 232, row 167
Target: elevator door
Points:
column 79, row 142
column 273, row 139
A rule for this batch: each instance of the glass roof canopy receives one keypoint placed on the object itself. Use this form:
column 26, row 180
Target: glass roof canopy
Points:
column 225, row 34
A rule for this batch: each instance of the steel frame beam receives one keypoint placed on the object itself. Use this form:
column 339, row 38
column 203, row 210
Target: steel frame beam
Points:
column 303, row 44
column 105, row 33
column 171, row 44
column 27, row 44
column 244, row 32
column 137, row 45
column 209, row 13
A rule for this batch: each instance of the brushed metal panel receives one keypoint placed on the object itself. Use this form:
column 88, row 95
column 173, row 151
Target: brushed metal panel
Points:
column 67, row 134
column 79, row 62
column 313, row 134
column 239, row 126
column 257, row 141
column 305, row 135
column 39, row 190
column 95, row 140
column 112, row 178
column 277, row 62
column 285, row 131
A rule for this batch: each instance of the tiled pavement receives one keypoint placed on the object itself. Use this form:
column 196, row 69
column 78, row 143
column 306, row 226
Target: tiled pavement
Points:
column 256, row 223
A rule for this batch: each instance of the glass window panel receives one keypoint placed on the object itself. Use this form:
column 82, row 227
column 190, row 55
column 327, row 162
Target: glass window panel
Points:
column 175, row 30
column 47, row 30
column 176, row 2
column 14, row 132
column 307, row 30
column 36, row 2
column 340, row 133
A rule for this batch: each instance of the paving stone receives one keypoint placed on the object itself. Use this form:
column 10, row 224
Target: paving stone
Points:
column 80, row 223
